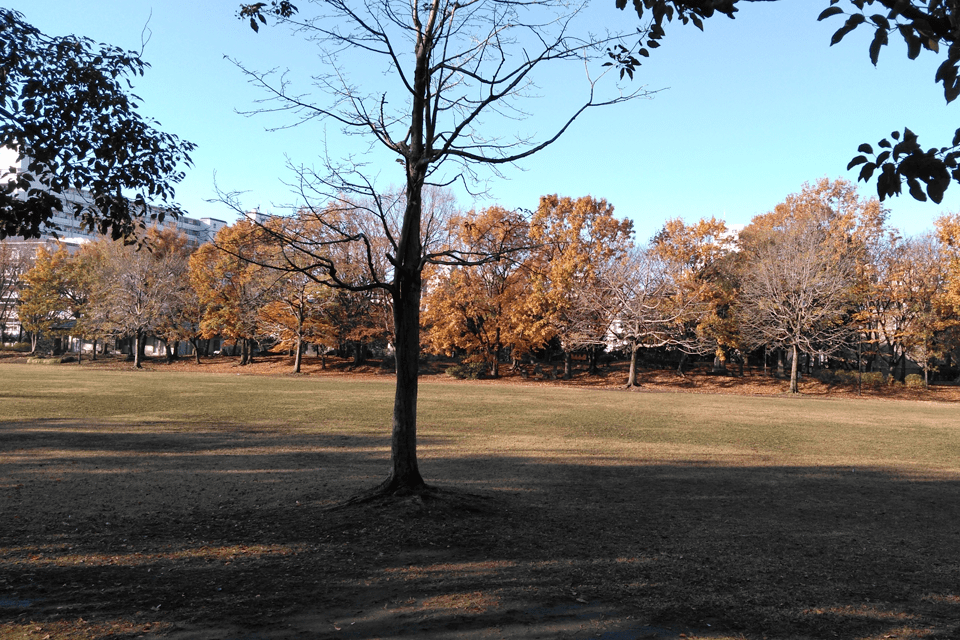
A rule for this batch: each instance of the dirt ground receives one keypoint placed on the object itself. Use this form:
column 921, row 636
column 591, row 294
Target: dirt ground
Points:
column 98, row 544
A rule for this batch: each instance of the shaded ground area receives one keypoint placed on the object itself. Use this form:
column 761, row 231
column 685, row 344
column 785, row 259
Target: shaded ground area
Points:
column 225, row 532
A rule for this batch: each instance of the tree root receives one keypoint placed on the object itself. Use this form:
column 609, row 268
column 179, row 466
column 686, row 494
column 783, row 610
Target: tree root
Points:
column 424, row 497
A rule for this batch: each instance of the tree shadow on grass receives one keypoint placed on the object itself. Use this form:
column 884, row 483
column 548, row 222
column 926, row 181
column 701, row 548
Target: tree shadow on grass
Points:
column 230, row 531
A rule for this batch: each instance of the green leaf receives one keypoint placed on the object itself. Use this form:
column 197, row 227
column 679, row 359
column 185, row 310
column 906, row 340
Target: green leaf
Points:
column 856, row 161
column 829, row 11
column 879, row 40
column 916, row 190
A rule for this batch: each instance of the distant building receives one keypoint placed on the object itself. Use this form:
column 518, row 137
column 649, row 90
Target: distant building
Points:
column 67, row 228
column 64, row 229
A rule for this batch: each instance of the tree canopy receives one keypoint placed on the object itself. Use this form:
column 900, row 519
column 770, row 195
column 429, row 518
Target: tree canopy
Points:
column 897, row 159
column 67, row 111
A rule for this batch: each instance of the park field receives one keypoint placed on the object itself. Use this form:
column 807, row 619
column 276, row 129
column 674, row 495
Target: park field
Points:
column 183, row 505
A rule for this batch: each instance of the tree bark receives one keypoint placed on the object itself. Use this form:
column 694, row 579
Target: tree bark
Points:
column 794, row 364
column 632, row 376
column 594, row 355
column 405, row 475
column 567, row 365
column 298, row 356
column 137, row 347
column 719, row 364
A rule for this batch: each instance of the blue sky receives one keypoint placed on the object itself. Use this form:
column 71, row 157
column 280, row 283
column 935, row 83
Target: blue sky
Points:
column 750, row 109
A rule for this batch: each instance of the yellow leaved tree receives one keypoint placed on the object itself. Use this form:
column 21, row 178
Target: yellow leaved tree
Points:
column 480, row 310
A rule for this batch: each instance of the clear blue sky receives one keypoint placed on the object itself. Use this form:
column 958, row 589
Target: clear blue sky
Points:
column 751, row 109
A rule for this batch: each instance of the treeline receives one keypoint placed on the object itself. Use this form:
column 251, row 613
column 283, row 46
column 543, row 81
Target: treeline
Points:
column 821, row 277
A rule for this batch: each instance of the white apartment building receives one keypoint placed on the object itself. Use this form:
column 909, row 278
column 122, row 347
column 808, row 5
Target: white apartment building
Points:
column 197, row 230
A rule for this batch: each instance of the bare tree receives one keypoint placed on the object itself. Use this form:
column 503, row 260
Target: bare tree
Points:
column 645, row 306
column 459, row 68
column 138, row 285
column 16, row 258
column 796, row 292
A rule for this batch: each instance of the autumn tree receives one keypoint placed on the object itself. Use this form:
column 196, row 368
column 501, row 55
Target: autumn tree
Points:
column 298, row 312
column 948, row 236
column 644, row 305
column 138, row 284
column 577, row 240
column 479, row 310
column 698, row 259
column 924, row 287
column 232, row 285
column 66, row 111
column 41, row 305
column 797, row 291
column 15, row 260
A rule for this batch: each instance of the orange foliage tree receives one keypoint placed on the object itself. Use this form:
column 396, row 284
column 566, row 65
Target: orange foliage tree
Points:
column 576, row 240
column 699, row 259
column 480, row 310
column 231, row 284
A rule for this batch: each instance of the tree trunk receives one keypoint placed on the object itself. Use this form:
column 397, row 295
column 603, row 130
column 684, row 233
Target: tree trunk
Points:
column 567, row 365
column 632, row 377
column 719, row 364
column 358, row 358
column 405, row 475
column 794, row 364
column 137, row 349
column 683, row 361
column 594, row 355
column 780, row 368
column 497, row 350
column 298, row 357
column 196, row 349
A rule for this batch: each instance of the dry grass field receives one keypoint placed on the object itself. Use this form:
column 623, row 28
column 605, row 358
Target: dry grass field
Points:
column 191, row 502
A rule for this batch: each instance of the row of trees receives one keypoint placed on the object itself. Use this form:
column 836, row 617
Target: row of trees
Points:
column 820, row 275
column 177, row 293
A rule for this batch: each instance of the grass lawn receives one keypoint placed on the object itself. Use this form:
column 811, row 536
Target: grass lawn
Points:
column 187, row 506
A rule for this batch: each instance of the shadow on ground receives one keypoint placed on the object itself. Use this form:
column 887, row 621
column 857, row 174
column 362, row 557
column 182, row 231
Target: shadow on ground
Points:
column 224, row 533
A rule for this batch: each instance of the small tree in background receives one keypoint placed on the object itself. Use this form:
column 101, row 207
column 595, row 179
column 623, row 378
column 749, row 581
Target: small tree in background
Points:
column 798, row 283
column 480, row 310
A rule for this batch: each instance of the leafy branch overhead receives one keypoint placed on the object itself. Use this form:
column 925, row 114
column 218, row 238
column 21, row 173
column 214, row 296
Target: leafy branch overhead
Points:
column 67, row 110
column 922, row 25
column 686, row 11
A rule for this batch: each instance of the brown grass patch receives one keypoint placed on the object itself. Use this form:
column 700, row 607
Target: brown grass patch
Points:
column 646, row 530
